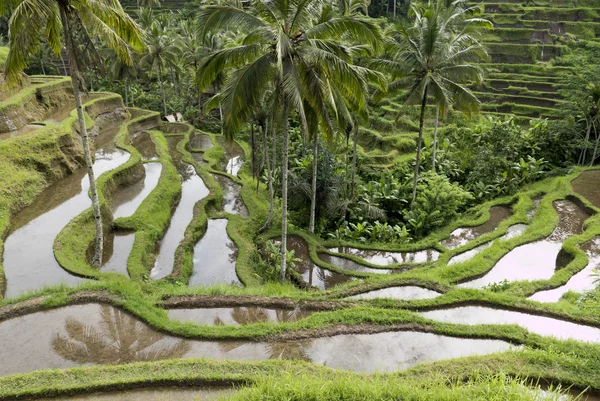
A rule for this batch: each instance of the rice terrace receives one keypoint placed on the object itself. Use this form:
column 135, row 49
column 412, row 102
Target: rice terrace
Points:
column 300, row 200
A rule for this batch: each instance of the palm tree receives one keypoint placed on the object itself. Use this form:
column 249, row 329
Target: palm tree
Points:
column 71, row 22
column 431, row 58
column 288, row 50
column 160, row 54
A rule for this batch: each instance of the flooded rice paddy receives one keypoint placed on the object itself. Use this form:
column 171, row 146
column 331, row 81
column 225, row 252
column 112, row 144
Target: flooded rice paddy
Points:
column 512, row 231
column 352, row 266
column 312, row 275
column 201, row 141
column 232, row 199
column 142, row 141
column 238, row 316
column 99, row 334
column 537, row 260
column 117, row 247
column 462, row 236
column 215, row 256
column 541, row 325
column 126, row 201
column 235, row 157
column 579, row 282
column 29, row 262
column 193, row 189
column 406, row 293
column 385, row 258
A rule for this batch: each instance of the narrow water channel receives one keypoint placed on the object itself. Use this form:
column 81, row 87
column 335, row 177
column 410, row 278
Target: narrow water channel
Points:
column 29, row 262
column 544, row 326
column 193, row 189
column 462, row 236
column 238, row 316
column 95, row 334
column 215, row 256
column 537, row 260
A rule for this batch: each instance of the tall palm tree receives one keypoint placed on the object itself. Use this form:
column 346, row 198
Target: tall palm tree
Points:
column 72, row 23
column 288, row 50
column 159, row 55
column 434, row 60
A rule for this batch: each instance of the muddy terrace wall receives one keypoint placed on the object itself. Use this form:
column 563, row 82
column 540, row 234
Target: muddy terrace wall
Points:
column 32, row 102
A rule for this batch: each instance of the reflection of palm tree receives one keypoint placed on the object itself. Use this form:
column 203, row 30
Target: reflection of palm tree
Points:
column 119, row 338
column 248, row 315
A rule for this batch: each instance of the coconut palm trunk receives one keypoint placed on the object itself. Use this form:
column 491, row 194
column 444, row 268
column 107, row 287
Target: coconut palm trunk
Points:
column 313, row 196
column 284, row 193
column 162, row 89
column 435, row 130
column 355, row 140
column 269, row 177
column 419, row 145
column 76, row 80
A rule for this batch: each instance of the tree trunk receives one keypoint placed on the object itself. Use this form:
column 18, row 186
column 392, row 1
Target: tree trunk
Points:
column 313, row 194
column 435, row 129
column 253, row 151
column 75, row 79
column 353, row 184
column 419, row 144
column 269, row 177
column 162, row 90
column 595, row 147
column 284, row 181
column 126, row 93
column 132, row 96
column 394, row 7
column 583, row 153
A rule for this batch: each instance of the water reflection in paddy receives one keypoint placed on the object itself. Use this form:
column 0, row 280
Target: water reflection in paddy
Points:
column 234, row 154
column 512, row 231
column 580, row 282
column 386, row 258
column 463, row 235
column 29, row 261
column 232, row 199
column 193, row 189
column 541, row 325
column 312, row 274
column 537, row 260
column 117, row 247
column 98, row 334
column 215, row 256
column 238, row 316
column 408, row 292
